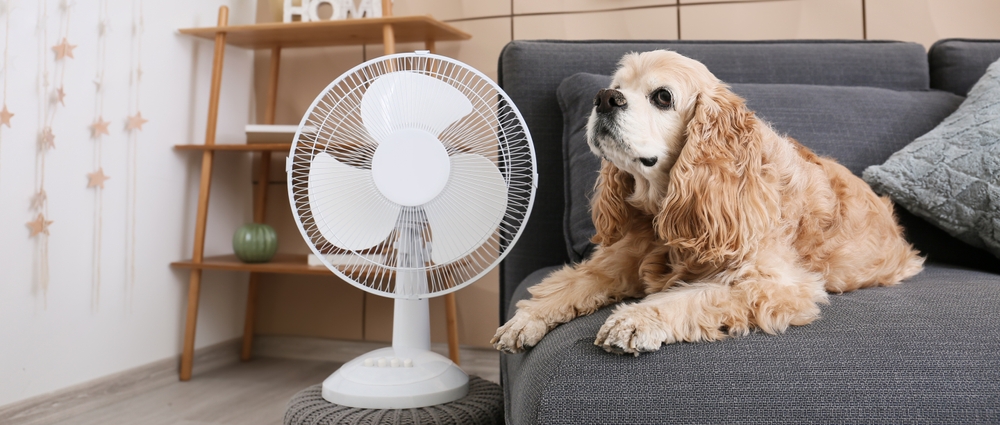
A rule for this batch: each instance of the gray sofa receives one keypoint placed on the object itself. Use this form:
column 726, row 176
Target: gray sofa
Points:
column 926, row 351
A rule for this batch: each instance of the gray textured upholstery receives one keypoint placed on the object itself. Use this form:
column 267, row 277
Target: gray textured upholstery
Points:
column 530, row 71
column 925, row 351
column 956, row 64
column 857, row 126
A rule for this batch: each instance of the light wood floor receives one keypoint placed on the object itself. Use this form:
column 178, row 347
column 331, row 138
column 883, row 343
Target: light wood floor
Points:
column 249, row 393
column 244, row 393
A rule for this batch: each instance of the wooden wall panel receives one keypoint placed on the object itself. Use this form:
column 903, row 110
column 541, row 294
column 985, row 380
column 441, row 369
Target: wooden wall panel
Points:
column 481, row 51
column 801, row 19
column 926, row 21
column 717, row 1
column 447, row 10
column 654, row 23
column 304, row 72
column 522, row 7
column 315, row 306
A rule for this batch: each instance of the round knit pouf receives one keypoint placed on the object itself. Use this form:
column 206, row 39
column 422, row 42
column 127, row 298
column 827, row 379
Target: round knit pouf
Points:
column 483, row 405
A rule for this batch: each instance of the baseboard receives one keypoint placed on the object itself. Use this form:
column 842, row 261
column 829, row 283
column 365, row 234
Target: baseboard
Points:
column 69, row 402
column 477, row 361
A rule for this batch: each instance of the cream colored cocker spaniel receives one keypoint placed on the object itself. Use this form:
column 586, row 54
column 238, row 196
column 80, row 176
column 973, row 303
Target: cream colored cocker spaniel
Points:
column 719, row 223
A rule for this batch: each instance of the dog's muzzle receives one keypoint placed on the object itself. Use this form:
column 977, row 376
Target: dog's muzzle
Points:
column 609, row 101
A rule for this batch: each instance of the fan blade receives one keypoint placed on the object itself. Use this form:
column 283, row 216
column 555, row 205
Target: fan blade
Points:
column 346, row 206
column 467, row 212
column 406, row 99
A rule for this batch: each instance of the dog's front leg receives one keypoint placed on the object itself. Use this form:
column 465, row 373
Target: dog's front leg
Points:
column 611, row 275
column 770, row 293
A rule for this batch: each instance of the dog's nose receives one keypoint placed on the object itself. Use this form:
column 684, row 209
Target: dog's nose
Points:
column 609, row 99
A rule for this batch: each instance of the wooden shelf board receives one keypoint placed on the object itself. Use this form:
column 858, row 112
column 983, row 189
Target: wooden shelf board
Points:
column 247, row 147
column 281, row 263
column 419, row 28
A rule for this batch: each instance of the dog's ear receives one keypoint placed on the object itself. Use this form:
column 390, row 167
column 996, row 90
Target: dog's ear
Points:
column 610, row 211
column 721, row 198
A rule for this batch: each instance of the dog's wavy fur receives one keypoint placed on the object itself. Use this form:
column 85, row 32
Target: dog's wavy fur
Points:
column 739, row 228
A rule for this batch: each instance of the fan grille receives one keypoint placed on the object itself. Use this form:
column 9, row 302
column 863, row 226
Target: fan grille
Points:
column 494, row 130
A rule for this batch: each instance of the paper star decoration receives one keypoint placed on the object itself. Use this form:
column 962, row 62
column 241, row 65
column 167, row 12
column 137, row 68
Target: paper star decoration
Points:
column 61, row 94
column 38, row 201
column 40, row 225
column 97, row 178
column 136, row 122
column 64, row 49
column 99, row 127
column 5, row 116
column 48, row 139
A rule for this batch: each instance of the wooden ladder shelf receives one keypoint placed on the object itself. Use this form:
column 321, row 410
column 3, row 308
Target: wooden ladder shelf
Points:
column 387, row 30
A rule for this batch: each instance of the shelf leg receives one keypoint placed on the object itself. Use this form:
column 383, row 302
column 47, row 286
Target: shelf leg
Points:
column 451, row 318
column 194, row 293
column 388, row 39
column 260, row 202
column 260, row 206
column 251, row 313
column 194, row 285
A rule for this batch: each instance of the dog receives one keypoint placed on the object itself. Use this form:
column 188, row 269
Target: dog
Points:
column 721, row 225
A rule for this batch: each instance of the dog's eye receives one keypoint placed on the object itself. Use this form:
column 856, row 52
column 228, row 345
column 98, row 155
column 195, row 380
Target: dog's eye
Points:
column 662, row 99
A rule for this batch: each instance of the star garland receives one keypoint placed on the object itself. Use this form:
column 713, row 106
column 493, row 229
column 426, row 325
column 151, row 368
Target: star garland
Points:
column 5, row 114
column 97, row 178
column 39, row 227
column 133, row 126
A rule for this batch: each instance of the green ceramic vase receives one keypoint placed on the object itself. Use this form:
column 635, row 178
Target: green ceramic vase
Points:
column 255, row 243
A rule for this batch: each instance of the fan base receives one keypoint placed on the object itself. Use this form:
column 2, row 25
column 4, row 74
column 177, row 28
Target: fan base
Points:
column 396, row 378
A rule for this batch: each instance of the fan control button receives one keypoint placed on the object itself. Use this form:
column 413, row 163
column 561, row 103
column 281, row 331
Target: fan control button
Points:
column 369, row 362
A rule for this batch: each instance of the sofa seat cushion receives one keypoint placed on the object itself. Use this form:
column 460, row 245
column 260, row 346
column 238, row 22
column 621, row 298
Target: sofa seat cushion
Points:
column 857, row 126
column 924, row 351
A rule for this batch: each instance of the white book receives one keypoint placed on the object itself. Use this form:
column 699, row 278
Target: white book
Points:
column 261, row 133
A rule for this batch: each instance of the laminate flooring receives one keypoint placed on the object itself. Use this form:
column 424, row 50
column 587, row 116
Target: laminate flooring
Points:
column 244, row 393
column 249, row 393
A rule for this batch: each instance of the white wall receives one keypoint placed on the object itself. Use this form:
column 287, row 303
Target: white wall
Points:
column 49, row 342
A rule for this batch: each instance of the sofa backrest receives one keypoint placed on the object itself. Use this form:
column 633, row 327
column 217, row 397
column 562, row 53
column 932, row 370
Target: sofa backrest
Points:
column 531, row 71
column 957, row 63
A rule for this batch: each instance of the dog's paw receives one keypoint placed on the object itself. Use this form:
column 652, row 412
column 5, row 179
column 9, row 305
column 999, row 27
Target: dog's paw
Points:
column 519, row 333
column 633, row 329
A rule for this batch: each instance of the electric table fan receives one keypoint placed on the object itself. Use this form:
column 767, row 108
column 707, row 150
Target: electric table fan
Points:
column 414, row 179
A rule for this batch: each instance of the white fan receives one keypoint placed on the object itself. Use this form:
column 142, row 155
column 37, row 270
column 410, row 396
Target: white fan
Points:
column 417, row 176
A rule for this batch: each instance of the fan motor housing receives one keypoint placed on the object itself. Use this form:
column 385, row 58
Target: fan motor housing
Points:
column 410, row 167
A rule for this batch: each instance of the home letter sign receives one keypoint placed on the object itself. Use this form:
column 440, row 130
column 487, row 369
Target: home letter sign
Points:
column 308, row 10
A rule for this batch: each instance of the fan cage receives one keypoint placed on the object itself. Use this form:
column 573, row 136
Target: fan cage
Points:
column 494, row 129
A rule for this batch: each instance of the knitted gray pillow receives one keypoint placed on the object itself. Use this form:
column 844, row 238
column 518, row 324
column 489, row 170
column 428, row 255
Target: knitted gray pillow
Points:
column 951, row 175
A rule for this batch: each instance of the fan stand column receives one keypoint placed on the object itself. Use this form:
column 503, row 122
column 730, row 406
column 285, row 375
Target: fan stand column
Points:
column 451, row 306
column 194, row 285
